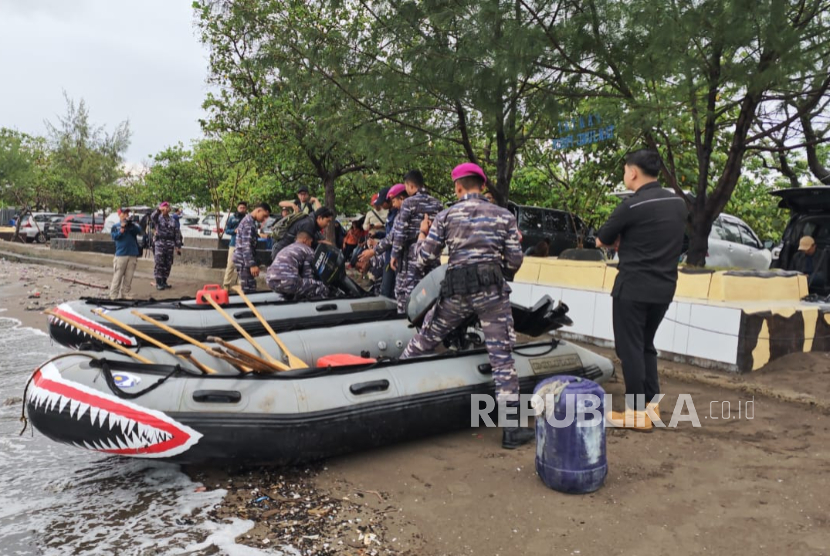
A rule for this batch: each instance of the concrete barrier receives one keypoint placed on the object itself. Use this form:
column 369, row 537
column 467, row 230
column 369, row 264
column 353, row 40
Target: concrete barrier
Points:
column 736, row 321
column 106, row 247
column 98, row 262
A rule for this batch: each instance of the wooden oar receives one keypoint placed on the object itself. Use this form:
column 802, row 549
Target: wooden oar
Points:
column 242, row 362
column 97, row 336
column 204, row 368
column 282, row 366
column 245, row 354
column 206, row 348
column 293, row 361
column 250, row 360
column 187, row 356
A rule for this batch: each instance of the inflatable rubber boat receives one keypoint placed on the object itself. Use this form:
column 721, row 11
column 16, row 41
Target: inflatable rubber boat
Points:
column 201, row 321
column 355, row 394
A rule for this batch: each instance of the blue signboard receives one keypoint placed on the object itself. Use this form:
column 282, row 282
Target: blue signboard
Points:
column 582, row 131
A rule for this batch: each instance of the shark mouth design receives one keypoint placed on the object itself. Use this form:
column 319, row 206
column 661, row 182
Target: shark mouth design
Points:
column 75, row 414
column 67, row 312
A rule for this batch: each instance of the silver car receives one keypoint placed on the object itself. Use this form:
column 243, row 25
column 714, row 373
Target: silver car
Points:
column 733, row 244
column 33, row 225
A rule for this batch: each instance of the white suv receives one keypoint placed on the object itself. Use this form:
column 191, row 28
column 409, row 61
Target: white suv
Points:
column 32, row 226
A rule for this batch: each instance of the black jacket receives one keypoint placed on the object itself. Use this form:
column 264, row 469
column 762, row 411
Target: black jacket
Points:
column 307, row 224
column 650, row 225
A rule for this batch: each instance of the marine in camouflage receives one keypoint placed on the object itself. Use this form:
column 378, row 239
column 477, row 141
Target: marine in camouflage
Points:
column 404, row 236
column 375, row 271
column 166, row 238
column 244, row 256
column 292, row 274
column 476, row 232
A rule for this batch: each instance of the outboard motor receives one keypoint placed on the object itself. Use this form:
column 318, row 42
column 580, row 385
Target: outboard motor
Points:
column 542, row 317
column 330, row 267
column 425, row 295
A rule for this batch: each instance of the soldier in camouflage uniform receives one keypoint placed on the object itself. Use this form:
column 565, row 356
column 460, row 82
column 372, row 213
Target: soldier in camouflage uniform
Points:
column 374, row 267
column 166, row 237
column 292, row 272
column 396, row 195
column 405, row 233
column 244, row 256
column 484, row 251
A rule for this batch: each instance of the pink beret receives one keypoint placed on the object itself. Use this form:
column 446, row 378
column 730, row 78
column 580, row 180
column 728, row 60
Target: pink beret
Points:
column 164, row 204
column 396, row 190
column 468, row 169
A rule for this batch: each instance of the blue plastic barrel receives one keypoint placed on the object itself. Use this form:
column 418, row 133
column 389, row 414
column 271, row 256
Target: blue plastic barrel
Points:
column 571, row 458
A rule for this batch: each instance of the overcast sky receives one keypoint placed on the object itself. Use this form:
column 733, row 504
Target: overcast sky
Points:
column 136, row 60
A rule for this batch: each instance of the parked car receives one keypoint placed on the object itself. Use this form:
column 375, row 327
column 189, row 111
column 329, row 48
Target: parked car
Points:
column 207, row 226
column 80, row 223
column 560, row 227
column 32, row 226
column 809, row 216
column 733, row 244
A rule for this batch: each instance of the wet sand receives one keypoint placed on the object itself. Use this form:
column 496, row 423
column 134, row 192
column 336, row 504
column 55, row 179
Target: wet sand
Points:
column 733, row 485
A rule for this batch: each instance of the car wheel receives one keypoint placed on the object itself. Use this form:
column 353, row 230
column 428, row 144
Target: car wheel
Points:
column 40, row 237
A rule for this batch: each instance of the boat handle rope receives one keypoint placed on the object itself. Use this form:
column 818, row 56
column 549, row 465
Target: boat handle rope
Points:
column 554, row 343
column 23, row 418
column 110, row 380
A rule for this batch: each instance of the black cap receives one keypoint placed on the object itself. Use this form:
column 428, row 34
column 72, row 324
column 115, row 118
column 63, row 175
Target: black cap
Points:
column 382, row 195
column 302, row 189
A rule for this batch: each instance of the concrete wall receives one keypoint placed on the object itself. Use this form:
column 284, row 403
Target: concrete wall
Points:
column 737, row 321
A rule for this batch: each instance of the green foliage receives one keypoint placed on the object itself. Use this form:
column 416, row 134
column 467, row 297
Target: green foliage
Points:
column 16, row 168
column 86, row 156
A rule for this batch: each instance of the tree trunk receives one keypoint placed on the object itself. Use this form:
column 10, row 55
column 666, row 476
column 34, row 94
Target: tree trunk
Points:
column 330, row 202
column 699, row 239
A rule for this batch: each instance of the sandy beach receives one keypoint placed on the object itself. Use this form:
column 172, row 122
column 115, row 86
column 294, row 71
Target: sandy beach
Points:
column 734, row 485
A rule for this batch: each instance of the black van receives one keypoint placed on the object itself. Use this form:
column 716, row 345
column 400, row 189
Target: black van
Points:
column 809, row 216
column 560, row 227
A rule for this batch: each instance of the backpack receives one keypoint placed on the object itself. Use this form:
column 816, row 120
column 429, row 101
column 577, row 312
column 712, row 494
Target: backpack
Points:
column 281, row 228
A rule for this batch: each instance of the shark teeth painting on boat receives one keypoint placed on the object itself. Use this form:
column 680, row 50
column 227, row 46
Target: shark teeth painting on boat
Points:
column 105, row 423
column 67, row 312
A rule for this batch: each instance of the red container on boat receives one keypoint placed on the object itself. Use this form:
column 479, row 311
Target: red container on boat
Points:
column 215, row 291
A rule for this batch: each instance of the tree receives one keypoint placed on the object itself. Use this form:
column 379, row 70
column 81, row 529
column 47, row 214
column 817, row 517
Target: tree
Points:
column 85, row 153
column 462, row 72
column 174, row 177
column 16, row 171
column 293, row 125
column 694, row 79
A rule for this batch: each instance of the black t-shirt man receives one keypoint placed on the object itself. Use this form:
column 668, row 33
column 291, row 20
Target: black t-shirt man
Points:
column 650, row 226
column 647, row 229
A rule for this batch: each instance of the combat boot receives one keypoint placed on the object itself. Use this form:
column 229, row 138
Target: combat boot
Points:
column 513, row 437
column 160, row 285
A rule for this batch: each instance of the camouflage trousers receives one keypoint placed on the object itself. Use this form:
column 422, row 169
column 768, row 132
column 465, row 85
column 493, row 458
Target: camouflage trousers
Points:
column 246, row 280
column 407, row 277
column 300, row 288
column 493, row 309
column 163, row 258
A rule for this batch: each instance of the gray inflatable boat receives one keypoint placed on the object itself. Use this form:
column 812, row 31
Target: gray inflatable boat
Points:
column 201, row 321
column 351, row 305
column 169, row 410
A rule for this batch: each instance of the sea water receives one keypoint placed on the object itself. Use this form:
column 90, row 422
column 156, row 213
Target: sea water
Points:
column 60, row 500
